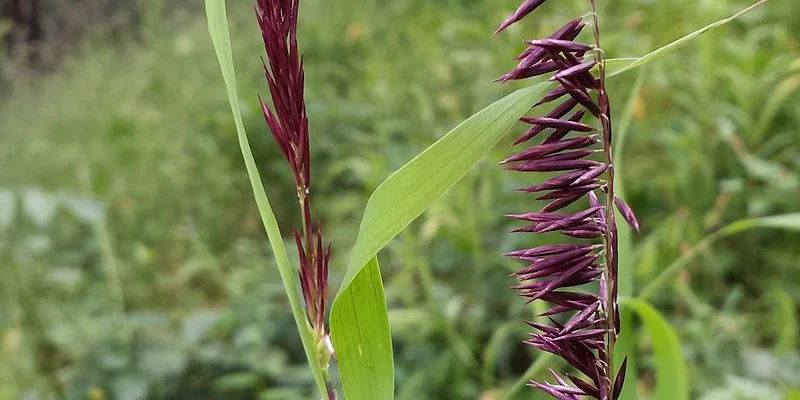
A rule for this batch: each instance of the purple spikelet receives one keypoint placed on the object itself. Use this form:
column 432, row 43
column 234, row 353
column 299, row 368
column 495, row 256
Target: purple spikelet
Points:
column 288, row 122
column 583, row 326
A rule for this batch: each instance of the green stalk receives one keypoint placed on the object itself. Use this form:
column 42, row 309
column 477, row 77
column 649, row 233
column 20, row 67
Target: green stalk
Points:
column 427, row 280
column 611, row 257
column 538, row 366
column 110, row 265
column 220, row 35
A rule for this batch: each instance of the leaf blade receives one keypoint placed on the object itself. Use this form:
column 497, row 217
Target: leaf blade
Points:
column 362, row 338
column 400, row 199
column 386, row 214
column 672, row 372
column 616, row 66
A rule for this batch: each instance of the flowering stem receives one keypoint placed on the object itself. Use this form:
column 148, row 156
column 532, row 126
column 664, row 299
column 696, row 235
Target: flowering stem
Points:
column 586, row 339
column 308, row 249
column 610, row 268
column 288, row 122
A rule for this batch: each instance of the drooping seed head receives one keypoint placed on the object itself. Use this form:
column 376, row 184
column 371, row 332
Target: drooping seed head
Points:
column 572, row 149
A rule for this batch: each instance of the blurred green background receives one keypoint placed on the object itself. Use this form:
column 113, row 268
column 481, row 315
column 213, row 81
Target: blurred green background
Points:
column 133, row 264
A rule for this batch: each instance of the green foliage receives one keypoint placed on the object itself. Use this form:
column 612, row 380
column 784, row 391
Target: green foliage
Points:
column 395, row 204
column 146, row 132
column 361, row 337
column 618, row 66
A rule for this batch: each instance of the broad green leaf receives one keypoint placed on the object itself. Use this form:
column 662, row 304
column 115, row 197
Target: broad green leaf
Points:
column 400, row 199
column 362, row 338
column 786, row 222
column 616, row 66
column 770, row 172
column 785, row 315
column 672, row 375
column 220, row 36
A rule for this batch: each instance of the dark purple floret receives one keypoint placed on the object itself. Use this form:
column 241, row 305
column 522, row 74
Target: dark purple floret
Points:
column 579, row 152
column 285, row 78
column 288, row 122
column 524, row 9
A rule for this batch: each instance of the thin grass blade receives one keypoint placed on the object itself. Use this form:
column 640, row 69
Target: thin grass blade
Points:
column 220, row 36
column 400, row 199
column 616, row 66
column 790, row 222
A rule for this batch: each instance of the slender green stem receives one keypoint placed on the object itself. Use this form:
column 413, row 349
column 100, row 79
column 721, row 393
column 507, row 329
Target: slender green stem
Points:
column 462, row 350
column 220, row 35
column 110, row 262
column 611, row 262
column 103, row 235
column 535, row 368
column 287, row 273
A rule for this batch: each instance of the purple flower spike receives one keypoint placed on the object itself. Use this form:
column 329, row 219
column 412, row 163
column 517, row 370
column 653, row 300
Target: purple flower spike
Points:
column 287, row 120
column 579, row 153
column 285, row 78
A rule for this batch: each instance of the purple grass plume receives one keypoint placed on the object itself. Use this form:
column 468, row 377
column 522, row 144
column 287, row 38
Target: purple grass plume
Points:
column 583, row 326
column 288, row 122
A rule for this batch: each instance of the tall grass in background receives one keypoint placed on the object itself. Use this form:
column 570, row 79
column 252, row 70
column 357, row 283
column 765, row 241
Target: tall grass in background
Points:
column 201, row 311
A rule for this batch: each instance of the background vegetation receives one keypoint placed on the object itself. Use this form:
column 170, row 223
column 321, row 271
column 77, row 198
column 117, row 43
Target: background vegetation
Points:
column 133, row 264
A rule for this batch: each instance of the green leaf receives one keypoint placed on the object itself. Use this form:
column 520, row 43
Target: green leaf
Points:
column 616, row 66
column 394, row 204
column 672, row 373
column 786, row 222
column 770, row 172
column 220, row 36
column 362, row 338
column 132, row 387
column 785, row 316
